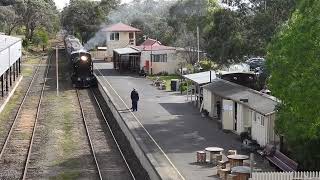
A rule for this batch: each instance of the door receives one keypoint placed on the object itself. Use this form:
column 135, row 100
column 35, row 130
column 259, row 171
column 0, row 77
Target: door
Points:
column 227, row 114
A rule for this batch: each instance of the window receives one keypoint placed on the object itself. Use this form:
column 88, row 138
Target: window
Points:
column 131, row 35
column 114, row 36
column 159, row 58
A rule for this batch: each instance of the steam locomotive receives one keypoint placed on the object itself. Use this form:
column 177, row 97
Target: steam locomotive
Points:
column 81, row 63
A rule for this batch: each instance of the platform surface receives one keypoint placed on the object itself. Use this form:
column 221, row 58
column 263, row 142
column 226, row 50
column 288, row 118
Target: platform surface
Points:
column 173, row 122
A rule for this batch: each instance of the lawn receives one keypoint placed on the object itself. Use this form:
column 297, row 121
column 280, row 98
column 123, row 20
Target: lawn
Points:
column 167, row 79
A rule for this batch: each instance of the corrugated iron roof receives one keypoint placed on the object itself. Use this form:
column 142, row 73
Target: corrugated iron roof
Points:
column 125, row 51
column 120, row 27
column 7, row 41
column 259, row 102
column 202, row 77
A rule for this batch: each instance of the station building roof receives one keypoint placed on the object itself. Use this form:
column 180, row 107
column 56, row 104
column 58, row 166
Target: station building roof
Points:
column 120, row 27
column 257, row 101
column 7, row 41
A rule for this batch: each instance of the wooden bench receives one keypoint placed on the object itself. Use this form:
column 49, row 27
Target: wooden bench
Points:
column 282, row 161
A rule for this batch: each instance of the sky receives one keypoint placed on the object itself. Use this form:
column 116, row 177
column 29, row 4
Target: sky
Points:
column 61, row 3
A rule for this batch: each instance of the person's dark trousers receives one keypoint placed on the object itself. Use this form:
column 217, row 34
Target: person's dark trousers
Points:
column 134, row 105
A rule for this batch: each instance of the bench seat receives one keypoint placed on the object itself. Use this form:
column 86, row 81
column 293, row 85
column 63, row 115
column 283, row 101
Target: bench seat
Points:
column 282, row 161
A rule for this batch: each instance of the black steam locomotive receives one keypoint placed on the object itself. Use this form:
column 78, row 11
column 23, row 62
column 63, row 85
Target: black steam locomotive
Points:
column 81, row 63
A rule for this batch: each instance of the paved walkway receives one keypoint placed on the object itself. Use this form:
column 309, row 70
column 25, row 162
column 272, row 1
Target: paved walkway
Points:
column 175, row 124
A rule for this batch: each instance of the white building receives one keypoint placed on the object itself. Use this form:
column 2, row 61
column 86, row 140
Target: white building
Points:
column 10, row 61
column 119, row 36
column 151, row 56
column 241, row 109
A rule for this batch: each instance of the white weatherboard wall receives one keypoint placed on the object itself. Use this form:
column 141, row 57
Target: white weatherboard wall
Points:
column 123, row 42
column 171, row 66
column 207, row 103
column 210, row 102
column 262, row 128
column 10, row 55
column 4, row 57
column 15, row 52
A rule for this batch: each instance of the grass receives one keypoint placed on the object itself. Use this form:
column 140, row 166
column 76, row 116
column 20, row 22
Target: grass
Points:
column 165, row 78
column 11, row 105
column 28, row 65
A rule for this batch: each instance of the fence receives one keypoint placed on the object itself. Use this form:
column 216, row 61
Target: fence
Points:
column 285, row 176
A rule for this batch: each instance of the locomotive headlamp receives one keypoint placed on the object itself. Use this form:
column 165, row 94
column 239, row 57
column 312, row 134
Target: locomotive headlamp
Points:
column 84, row 58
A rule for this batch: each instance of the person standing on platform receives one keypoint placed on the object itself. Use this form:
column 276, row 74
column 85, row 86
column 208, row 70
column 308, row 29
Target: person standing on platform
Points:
column 134, row 100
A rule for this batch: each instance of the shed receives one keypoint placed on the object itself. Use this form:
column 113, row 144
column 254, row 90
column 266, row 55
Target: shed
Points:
column 242, row 109
column 198, row 80
column 126, row 59
column 10, row 64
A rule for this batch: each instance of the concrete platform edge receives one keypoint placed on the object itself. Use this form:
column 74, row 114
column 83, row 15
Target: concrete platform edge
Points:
column 143, row 158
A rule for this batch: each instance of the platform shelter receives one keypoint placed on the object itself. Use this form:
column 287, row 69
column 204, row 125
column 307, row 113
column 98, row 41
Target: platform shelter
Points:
column 10, row 61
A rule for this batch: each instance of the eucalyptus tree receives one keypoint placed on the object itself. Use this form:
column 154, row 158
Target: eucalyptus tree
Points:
column 293, row 59
column 9, row 20
column 84, row 17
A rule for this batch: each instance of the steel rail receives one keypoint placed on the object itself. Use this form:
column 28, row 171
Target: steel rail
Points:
column 111, row 131
column 36, row 120
column 88, row 135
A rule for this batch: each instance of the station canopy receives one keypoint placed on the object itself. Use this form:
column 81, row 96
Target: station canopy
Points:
column 201, row 78
column 7, row 41
column 122, row 51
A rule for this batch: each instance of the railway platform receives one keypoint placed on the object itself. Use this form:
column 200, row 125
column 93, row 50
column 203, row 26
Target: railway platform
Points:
column 168, row 128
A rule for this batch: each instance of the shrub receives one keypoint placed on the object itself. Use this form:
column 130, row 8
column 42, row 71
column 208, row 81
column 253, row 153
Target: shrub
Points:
column 163, row 73
column 244, row 135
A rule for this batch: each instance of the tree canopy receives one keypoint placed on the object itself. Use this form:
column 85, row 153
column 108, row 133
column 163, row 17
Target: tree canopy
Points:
column 84, row 17
column 29, row 15
column 293, row 59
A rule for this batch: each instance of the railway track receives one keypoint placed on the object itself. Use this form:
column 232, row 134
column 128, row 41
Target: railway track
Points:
column 108, row 157
column 17, row 147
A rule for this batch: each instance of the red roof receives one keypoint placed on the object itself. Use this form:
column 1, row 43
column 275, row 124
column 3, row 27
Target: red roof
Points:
column 150, row 42
column 120, row 27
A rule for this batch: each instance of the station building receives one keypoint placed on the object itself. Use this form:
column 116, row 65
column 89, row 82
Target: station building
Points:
column 119, row 36
column 241, row 109
column 152, row 56
column 10, row 61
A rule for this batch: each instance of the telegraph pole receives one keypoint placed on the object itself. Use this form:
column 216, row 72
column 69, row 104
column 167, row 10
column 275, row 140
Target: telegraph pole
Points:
column 57, row 71
column 198, row 39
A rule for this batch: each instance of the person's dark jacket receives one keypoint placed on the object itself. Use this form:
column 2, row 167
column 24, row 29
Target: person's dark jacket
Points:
column 134, row 96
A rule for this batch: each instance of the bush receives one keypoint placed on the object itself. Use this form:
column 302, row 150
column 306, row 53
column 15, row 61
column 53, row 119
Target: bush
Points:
column 25, row 43
column 244, row 135
column 163, row 73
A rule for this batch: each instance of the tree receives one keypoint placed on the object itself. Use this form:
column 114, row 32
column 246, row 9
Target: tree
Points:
column 226, row 37
column 149, row 16
column 293, row 59
column 41, row 38
column 9, row 18
column 38, row 13
column 84, row 17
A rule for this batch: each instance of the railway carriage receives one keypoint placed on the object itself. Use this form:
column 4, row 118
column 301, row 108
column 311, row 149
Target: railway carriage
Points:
column 81, row 63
